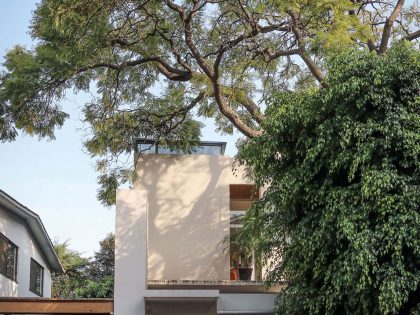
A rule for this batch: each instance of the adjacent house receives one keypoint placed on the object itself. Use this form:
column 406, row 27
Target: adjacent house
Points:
column 27, row 256
column 174, row 236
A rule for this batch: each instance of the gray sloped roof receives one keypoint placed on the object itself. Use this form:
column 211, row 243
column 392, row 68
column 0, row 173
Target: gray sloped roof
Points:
column 35, row 225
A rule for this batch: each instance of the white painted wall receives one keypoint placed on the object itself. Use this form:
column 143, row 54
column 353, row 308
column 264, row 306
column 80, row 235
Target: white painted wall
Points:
column 130, row 286
column 188, row 216
column 130, row 281
column 16, row 230
column 169, row 227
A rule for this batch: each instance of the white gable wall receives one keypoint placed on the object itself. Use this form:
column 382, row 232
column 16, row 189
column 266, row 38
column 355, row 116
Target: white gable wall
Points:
column 16, row 230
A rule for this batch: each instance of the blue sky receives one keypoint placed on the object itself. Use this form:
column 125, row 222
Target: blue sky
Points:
column 56, row 178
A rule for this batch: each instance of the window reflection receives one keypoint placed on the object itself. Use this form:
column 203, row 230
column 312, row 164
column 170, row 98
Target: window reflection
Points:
column 205, row 148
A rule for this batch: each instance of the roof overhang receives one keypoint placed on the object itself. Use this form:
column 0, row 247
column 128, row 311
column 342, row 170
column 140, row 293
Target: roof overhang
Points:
column 222, row 286
column 181, row 302
column 207, row 302
column 34, row 223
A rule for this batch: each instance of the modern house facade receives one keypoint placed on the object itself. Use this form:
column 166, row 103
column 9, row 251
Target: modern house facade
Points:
column 27, row 256
column 173, row 236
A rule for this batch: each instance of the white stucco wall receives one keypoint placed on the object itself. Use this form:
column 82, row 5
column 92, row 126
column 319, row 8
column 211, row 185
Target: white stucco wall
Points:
column 15, row 229
column 130, row 252
column 188, row 214
column 130, row 286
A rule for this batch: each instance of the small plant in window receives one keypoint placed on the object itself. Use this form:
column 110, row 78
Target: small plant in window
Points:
column 241, row 256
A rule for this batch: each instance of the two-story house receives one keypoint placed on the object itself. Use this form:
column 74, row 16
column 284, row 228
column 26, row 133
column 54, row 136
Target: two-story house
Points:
column 27, row 256
column 171, row 232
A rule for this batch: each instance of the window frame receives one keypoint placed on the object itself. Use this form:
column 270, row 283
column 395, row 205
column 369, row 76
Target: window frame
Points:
column 14, row 277
column 151, row 146
column 33, row 290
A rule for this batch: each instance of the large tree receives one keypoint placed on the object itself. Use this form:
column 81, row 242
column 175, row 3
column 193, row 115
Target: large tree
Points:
column 85, row 277
column 66, row 285
column 160, row 65
column 100, row 271
column 340, row 221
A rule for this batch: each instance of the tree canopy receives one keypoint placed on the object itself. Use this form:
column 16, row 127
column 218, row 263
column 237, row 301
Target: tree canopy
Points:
column 84, row 277
column 156, row 67
column 340, row 219
column 66, row 285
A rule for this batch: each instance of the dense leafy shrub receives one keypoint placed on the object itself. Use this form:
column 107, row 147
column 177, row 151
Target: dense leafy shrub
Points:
column 341, row 218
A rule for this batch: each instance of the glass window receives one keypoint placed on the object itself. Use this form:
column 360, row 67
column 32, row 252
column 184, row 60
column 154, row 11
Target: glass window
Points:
column 36, row 278
column 8, row 258
column 148, row 146
column 165, row 150
column 201, row 149
column 207, row 150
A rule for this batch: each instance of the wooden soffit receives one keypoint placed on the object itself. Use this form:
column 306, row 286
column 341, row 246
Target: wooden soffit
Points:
column 56, row 306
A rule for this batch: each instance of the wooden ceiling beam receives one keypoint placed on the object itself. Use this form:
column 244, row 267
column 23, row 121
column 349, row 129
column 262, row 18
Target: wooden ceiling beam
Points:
column 56, row 306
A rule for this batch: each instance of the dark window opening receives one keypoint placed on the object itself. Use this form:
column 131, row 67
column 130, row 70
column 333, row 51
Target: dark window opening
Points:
column 8, row 258
column 36, row 282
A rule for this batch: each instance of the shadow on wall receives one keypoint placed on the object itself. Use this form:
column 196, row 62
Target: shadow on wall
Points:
column 130, row 240
column 130, row 249
column 188, row 216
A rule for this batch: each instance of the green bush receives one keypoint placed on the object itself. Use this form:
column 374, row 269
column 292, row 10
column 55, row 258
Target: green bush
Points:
column 341, row 218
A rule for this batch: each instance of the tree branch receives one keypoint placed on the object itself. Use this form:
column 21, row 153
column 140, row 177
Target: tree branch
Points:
column 239, row 95
column 280, row 53
column 230, row 114
column 225, row 109
column 371, row 45
column 163, row 67
column 185, row 109
column 386, row 34
column 252, row 108
column 412, row 36
column 315, row 70
column 245, row 101
column 255, row 31
column 186, row 21
column 175, row 52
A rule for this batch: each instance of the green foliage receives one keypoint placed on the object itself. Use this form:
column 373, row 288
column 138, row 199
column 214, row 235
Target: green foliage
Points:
column 102, row 265
column 86, row 278
column 30, row 106
column 334, row 27
column 239, row 251
column 102, row 289
column 341, row 217
column 147, row 79
column 65, row 285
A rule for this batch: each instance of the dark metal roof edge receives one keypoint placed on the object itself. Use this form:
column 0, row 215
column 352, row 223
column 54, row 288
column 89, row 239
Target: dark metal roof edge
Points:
column 34, row 222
